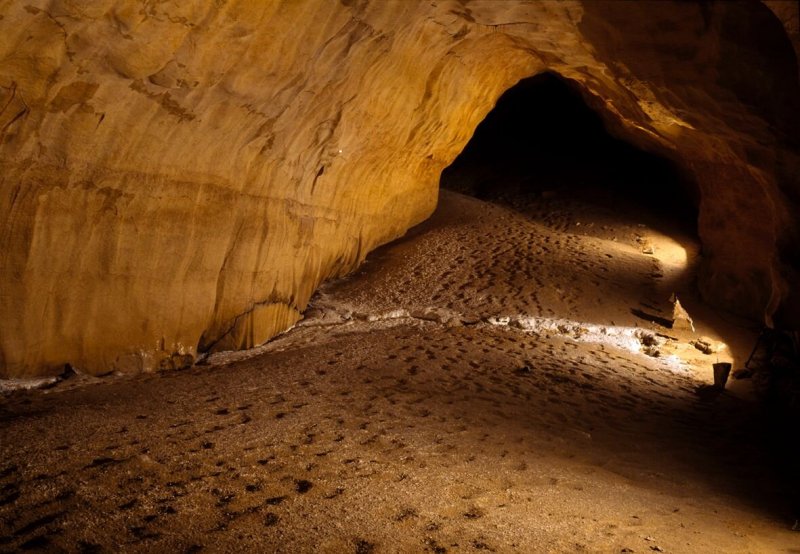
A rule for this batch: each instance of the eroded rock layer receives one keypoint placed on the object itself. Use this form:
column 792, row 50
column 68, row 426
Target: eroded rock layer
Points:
column 180, row 177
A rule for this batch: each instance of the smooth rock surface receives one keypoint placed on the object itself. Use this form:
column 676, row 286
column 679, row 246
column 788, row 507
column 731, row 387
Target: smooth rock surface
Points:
column 180, row 177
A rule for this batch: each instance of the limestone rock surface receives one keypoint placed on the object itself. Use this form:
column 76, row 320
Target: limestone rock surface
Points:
column 179, row 177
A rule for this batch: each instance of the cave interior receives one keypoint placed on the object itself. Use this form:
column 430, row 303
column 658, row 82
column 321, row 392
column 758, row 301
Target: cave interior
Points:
column 532, row 368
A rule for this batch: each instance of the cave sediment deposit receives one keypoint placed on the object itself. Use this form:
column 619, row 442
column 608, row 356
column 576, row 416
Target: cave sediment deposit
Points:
column 377, row 276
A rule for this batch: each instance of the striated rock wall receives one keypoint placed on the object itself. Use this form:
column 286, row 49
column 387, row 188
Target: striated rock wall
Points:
column 180, row 176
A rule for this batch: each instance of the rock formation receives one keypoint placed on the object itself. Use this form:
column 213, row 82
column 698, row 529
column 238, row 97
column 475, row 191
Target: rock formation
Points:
column 680, row 317
column 180, row 177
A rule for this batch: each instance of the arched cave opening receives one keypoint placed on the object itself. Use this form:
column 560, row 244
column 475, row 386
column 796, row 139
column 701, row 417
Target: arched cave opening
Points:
column 542, row 138
column 543, row 151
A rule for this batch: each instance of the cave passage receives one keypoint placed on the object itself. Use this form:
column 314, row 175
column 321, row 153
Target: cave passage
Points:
column 542, row 137
column 485, row 372
column 624, row 239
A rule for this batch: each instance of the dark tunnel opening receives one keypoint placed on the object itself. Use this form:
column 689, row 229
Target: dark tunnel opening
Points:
column 542, row 136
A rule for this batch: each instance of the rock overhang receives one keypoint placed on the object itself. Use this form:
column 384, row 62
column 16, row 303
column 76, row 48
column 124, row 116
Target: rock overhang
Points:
column 182, row 178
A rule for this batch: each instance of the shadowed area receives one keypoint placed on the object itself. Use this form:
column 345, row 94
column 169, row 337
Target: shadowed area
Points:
column 542, row 137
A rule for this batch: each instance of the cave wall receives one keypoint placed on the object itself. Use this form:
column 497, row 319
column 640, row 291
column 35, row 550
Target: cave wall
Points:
column 180, row 176
column 788, row 13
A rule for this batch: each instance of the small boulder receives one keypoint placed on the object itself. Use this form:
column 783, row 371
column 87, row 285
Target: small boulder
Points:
column 704, row 345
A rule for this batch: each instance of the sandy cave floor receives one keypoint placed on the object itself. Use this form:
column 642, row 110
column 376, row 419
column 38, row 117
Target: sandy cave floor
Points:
column 478, row 385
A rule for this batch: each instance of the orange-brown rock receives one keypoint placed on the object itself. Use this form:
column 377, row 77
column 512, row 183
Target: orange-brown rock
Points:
column 180, row 177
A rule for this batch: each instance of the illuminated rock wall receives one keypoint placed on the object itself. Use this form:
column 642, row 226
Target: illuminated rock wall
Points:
column 179, row 177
